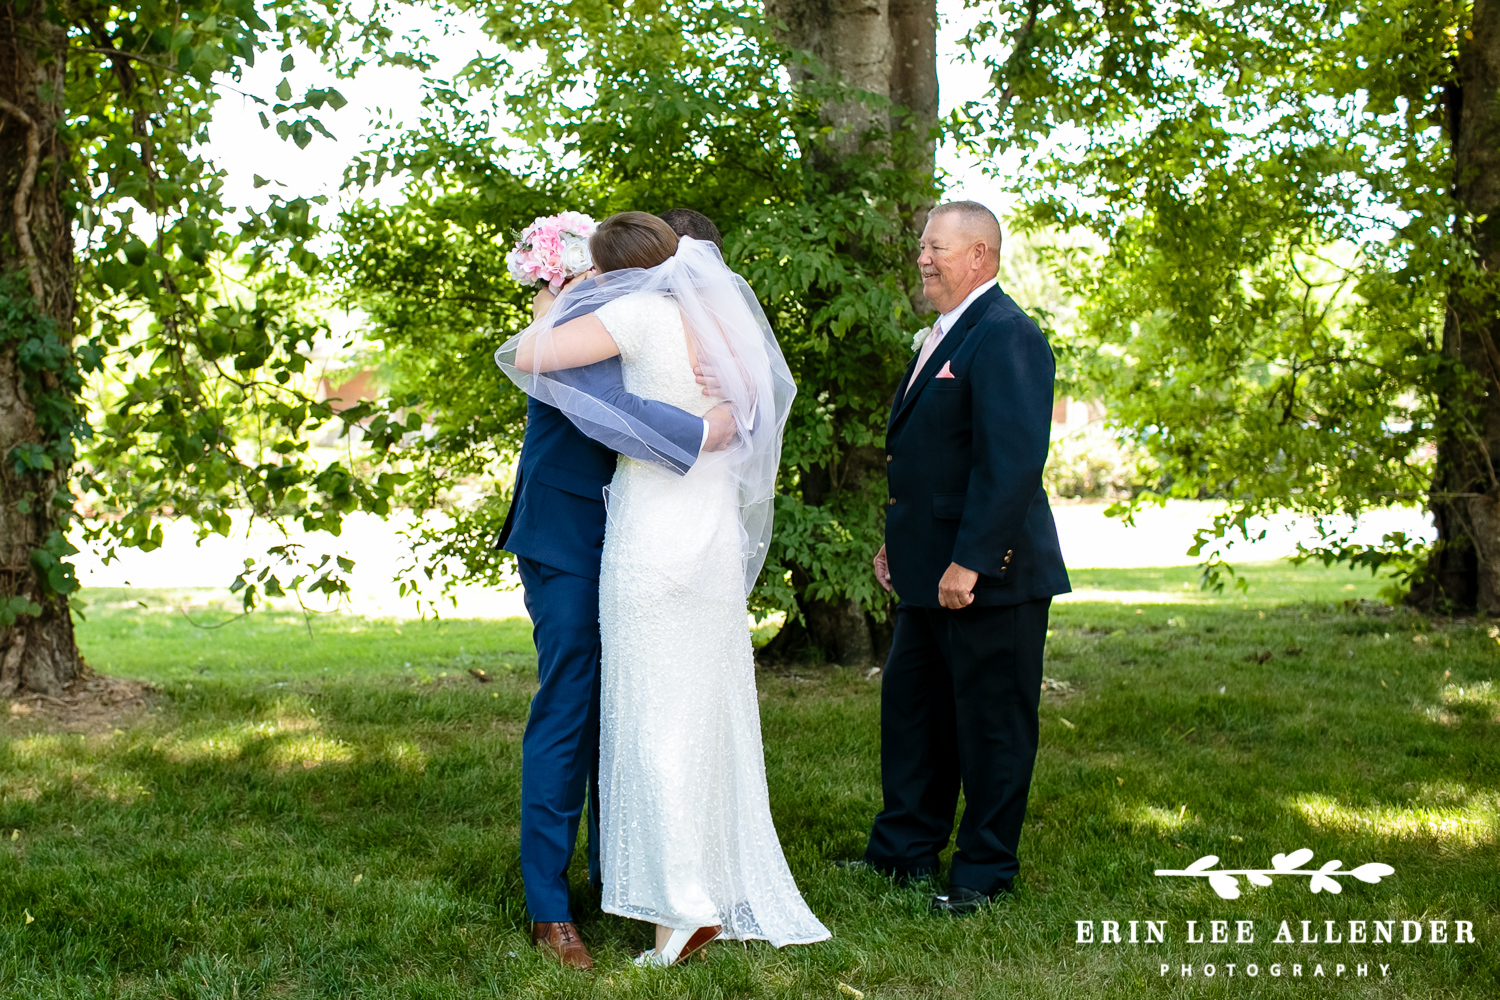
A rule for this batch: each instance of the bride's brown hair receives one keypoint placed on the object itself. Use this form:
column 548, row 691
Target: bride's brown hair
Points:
column 631, row 239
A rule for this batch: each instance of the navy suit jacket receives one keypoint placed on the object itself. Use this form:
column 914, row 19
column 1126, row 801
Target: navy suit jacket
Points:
column 964, row 458
column 557, row 508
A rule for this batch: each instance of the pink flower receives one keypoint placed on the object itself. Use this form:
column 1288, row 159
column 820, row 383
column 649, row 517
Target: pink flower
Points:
column 549, row 249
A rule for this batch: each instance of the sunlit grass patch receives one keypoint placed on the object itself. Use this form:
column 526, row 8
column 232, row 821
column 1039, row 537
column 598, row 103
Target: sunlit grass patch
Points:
column 1429, row 815
column 1480, row 698
column 403, row 754
column 1161, row 820
column 310, row 751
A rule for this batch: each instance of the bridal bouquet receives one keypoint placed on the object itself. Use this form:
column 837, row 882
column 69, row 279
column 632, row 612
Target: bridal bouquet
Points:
column 552, row 249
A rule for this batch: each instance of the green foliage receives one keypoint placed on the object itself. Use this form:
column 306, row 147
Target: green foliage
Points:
column 51, row 377
column 190, row 310
column 647, row 107
column 1270, row 183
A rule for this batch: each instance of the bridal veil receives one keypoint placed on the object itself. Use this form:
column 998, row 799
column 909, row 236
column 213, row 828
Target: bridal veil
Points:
column 728, row 334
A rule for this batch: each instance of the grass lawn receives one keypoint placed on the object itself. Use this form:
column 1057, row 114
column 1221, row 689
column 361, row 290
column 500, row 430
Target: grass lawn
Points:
column 334, row 814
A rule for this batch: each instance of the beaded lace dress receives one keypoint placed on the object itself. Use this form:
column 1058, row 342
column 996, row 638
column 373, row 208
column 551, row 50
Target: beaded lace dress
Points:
column 685, row 821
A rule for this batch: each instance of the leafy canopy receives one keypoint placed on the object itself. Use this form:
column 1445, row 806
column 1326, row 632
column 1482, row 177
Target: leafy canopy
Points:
column 1269, row 183
column 192, row 317
column 601, row 107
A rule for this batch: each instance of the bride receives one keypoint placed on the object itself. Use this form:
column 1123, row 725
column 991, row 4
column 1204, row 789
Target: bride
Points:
column 686, row 836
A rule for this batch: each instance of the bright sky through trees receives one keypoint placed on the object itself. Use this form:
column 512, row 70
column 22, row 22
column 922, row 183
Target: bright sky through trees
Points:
column 245, row 150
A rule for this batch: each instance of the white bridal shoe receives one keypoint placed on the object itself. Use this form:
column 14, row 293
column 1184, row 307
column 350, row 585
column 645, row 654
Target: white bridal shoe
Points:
column 683, row 943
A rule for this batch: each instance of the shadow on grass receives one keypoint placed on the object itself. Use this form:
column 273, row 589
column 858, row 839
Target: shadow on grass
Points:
column 354, row 833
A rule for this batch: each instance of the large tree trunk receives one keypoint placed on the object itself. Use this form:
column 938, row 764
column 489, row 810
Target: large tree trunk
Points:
column 1465, row 570
column 833, row 631
column 887, row 48
column 914, row 92
column 37, row 649
column 852, row 40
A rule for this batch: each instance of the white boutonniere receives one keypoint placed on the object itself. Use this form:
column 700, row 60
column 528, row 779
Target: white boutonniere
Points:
column 920, row 337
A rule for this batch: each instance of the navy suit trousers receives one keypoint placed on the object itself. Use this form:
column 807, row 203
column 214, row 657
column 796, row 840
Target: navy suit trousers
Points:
column 560, row 749
column 958, row 709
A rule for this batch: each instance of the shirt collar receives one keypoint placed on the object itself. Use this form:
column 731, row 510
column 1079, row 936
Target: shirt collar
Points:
column 952, row 316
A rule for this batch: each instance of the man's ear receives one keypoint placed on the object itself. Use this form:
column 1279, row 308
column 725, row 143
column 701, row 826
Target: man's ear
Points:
column 977, row 253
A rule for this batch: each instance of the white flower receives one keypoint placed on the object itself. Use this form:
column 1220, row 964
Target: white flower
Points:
column 920, row 337
column 517, row 270
column 575, row 255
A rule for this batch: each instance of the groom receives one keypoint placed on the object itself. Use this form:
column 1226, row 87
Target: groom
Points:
column 972, row 551
column 555, row 529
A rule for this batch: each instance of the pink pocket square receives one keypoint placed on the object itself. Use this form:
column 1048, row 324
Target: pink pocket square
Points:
column 945, row 372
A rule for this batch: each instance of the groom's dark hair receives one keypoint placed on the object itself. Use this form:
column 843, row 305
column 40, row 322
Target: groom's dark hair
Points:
column 686, row 222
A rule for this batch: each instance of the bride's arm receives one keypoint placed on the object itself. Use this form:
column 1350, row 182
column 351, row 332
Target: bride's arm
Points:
column 574, row 344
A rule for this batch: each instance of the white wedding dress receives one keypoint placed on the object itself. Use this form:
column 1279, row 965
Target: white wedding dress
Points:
column 685, row 819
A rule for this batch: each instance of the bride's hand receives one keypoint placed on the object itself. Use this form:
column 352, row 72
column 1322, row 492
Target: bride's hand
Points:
column 542, row 303
column 704, row 376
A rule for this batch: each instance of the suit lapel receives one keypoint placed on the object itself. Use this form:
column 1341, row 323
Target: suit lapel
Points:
column 939, row 357
column 901, row 393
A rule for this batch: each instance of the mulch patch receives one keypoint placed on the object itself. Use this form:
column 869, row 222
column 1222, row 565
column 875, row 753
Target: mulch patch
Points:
column 95, row 703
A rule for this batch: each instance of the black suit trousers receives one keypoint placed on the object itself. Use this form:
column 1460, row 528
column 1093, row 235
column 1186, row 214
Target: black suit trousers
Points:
column 958, row 710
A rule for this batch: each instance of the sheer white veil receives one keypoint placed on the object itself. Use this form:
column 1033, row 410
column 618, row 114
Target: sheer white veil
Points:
column 730, row 337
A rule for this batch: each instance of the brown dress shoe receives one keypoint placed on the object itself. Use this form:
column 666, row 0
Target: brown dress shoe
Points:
column 562, row 940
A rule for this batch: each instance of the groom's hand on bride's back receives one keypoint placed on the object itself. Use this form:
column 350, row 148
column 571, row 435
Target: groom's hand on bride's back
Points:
column 721, row 424
column 721, row 428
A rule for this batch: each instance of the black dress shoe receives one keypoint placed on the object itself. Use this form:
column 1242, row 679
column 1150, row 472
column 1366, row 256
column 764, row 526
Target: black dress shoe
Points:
column 959, row 902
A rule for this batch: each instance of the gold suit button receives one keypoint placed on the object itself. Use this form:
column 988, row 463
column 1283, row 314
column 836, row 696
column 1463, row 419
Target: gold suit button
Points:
column 893, row 501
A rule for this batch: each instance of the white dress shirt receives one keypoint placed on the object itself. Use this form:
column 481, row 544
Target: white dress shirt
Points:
column 942, row 326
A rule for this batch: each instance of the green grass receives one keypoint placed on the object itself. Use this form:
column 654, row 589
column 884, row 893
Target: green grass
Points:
column 334, row 815
column 1266, row 584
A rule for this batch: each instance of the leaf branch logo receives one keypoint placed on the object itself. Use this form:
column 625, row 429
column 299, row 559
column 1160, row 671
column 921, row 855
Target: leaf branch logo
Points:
column 1325, row 879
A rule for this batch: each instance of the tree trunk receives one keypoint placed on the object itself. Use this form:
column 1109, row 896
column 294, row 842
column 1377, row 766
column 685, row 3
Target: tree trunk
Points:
column 914, row 87
column 887, row 48
column 37, row 648
column 1465, row 570
column 852, row 39
column 833, row 631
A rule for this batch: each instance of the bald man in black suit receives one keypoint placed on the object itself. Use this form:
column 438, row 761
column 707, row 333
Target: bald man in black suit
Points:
column 972, row 551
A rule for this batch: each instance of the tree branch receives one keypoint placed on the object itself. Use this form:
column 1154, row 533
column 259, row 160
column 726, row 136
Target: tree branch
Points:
column 1007, row 93
column 119, row 60
column 22, row 207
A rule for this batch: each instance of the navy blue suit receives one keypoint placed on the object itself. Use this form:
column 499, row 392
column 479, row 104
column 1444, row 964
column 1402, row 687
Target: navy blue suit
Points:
column 964, row 459
column 555, row 528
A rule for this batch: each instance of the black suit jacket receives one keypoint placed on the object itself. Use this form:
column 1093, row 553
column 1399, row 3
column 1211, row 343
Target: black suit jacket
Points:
column 964, row 458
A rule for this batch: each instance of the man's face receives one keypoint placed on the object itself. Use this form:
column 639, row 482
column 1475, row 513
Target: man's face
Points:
column 945, row 262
